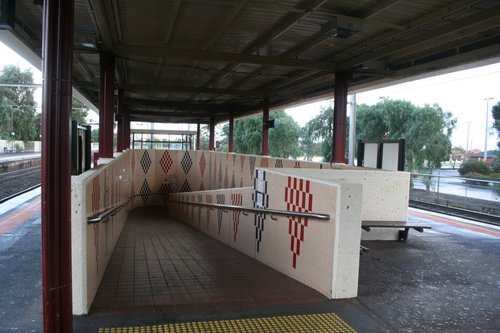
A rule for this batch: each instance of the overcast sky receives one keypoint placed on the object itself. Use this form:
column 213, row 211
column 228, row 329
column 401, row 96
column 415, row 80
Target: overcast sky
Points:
column 462, row 93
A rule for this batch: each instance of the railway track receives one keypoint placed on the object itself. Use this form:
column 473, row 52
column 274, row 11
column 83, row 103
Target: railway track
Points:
column 14, row 183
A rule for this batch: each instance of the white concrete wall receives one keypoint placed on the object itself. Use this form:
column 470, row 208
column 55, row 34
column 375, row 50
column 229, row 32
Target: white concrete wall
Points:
column 385, row 195
column 151, row 177
column 92, row 244
column 321, row 254
column 170, row 171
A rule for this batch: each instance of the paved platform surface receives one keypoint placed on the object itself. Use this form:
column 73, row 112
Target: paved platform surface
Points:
column 443, row 280
column 163, row 265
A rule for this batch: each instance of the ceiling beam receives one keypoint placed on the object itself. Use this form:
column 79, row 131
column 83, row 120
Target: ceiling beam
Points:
column 413, row 26
column 214, row 36
column 294, row 51
column 163, row 113
column 86, row 73
column 171, row 28
column 151, row 88
column 277, row 30
column 378, row 8
column 426, row 37
column 130, row 51
column 322, row 34
column 96, row 13
column 365, row 45
column 149, row 104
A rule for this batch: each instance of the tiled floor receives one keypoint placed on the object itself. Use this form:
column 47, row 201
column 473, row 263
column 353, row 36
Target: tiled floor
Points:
column 160, row 264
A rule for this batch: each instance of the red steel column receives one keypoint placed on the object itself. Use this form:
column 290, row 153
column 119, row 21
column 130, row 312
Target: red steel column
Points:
column 265, row 128
column 106, row 103
column 340, row 117
column 198, row 136
column 120, row 135
column 231, row 134
column 212, row 135
column 56, row 172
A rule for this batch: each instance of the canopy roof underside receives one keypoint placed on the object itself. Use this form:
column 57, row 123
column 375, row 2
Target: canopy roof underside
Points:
column 190, row 60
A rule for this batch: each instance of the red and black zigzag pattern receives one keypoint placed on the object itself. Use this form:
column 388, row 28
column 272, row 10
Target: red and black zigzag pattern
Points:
column 298, row 198
column 165, row 191
column 166, row 162
column 221, row 199
column 208, row 201
column 236, row 200
column 96, row 195
column 145, row 191
column 200, row 200
column 260, row 200
column 202, row 164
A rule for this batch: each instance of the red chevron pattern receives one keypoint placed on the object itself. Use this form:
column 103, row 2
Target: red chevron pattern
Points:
column 298, row 199
column 236, row 200
column 96, row 195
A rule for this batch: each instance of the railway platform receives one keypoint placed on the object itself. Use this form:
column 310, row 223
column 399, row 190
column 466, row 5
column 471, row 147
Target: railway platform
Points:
column 442, row 280
column 18, row 156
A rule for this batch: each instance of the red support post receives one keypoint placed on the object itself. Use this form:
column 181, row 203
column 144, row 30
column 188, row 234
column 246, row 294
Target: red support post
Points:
column 198, row 136
column 231, row 134
column 120, row 135
column 212, row 135
column 340, row 117
column 56, row 171
column 265, row 128
column 106, row 104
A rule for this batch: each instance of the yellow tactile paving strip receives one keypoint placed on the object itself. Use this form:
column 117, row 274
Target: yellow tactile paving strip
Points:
column 324, row 322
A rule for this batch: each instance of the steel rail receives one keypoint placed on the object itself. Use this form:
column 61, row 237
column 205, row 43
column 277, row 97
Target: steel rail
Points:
column 257, row 210
column 12, row 196
column 104, row 215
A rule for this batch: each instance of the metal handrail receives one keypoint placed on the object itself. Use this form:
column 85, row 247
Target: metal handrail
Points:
column 104, row 215
column 455, row 177
column 257, row 210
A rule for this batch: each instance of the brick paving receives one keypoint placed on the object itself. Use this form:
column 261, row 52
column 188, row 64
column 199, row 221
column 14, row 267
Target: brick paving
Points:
column 160, row 264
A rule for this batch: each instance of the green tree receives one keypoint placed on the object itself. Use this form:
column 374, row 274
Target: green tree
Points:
column 495, row 111
column 204, row 137
column 17, row 106
column 95, row 135
column 319, row 130
column 283, row 138
column 426, row 129
column 79, row 112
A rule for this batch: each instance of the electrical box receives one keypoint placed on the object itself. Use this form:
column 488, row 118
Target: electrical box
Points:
column 81, row 155
column 346, row 26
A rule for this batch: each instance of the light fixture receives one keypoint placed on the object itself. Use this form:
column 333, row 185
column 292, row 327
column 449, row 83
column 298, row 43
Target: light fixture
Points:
column 345, row 26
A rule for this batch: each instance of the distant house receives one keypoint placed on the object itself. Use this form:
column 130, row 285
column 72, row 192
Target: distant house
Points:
column 490, row 155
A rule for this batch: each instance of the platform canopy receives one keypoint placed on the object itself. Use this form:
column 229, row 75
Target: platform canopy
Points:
column 190, row 60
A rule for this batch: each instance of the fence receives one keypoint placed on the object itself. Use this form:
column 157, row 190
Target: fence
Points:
column 457, row 192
